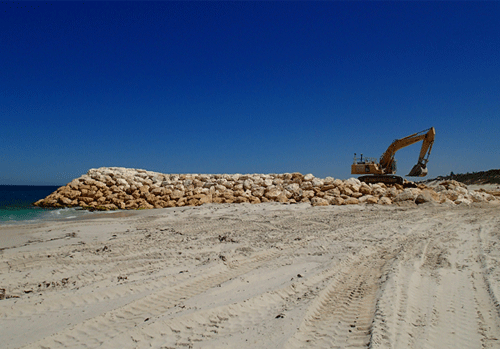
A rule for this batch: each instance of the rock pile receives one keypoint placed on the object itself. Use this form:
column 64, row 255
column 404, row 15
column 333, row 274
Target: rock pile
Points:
column 109, row 188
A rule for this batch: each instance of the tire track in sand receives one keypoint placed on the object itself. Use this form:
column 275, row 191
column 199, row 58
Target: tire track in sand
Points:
column 342, row 313
column 436, row 300
column 93, row 332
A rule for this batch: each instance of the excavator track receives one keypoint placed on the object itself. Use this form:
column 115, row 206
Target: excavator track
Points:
column 386, row 179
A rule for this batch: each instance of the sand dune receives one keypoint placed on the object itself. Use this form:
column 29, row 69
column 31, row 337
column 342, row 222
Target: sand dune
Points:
column 256, row 276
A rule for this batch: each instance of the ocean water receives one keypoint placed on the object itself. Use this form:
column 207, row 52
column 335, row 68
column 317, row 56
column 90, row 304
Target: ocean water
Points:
column 16, row 205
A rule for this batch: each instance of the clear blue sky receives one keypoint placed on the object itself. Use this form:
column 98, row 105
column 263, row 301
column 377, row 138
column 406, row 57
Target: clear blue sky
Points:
column 244, row 87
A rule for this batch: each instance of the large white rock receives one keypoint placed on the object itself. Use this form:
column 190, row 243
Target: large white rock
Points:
column 247, row 184
column 258, row 193
column 328, row 180
column 268, row 182
column 317, row 183
column 424, row 197
column 306, row 185
column 272, row 193
column 293, row 187
column 278, row 181
column 354, row 181
column 308, row 177
column 308, row 194
column 338, row 182
column 405, row 195
column 122, row 182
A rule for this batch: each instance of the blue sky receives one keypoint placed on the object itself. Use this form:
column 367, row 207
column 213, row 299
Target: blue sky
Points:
column 244, row 87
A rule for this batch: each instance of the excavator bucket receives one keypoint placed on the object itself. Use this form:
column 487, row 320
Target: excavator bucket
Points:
column 418, row 170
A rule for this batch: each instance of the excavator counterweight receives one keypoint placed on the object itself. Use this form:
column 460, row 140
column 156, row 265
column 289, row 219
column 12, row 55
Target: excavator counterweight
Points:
column 384, row 170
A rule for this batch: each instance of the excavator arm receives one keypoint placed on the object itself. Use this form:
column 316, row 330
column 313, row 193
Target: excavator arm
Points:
column 387, row 161
column 420, row 169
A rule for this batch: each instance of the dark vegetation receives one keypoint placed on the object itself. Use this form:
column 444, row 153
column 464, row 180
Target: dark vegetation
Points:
column 482, row 177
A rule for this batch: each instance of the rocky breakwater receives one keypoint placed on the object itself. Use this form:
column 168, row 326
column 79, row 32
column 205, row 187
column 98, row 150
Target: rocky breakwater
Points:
column 110, row 188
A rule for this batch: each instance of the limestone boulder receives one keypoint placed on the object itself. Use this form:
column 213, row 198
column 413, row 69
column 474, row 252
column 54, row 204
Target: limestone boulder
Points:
column 365, row 189
column 392, row 192
column 319, row 202
column 353, row 181
column 351, row 201
column 272, row 193
column 333, row 192
column 354, row 187
column 327, row 187
column 379, row 191
column 86, row 200
column 293, row 188
column 241, row 199
column 73, row 194
column 452, row 194
column 247, row 184
column 297, row 177
column 258, row 193
column 346, row 191
column 363, row 199
column 306, row 185
column 267, row 182
column 65, row 201
column 318, row 193
column 406, row 195
column 278, row 181
column 282, row 197
column 328, row 180
column 157, row 191
column 371, row 200
column 217, row 200
column 122, row 182
column 338, row 183
column 308, row 194
column 317, row 183
column 427, row 196
column 176, row 194
column 384, row 201
column 337, row 200
column 463, row 201
column 308, row 177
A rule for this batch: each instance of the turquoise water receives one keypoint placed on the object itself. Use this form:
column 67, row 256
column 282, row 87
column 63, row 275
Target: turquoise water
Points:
column 16, row 205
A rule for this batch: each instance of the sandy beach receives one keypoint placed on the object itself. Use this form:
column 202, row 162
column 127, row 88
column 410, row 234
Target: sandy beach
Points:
column 255, row 276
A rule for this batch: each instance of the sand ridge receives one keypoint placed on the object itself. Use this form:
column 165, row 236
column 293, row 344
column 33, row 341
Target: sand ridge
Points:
column 267, row 276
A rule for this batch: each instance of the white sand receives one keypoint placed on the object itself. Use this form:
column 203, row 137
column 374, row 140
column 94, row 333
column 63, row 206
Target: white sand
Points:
column 256, row 276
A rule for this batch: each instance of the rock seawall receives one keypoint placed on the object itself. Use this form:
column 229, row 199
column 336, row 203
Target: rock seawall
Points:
column 109, row 188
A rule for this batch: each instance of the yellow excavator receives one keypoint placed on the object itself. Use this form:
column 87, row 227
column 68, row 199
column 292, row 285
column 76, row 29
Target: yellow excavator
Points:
column 384, row 170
